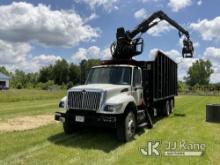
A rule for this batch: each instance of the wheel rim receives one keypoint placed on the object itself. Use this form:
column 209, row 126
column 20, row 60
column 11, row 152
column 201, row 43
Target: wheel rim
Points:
column 168, row 108
column 171, row 106
column 130, row 125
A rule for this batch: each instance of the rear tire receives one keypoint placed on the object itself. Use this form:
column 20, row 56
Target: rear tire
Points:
column 127, row 127
column 171, row 105
column 166, row 108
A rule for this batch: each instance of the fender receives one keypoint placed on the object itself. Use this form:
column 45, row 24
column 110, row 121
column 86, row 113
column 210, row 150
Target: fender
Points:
column 123, row 98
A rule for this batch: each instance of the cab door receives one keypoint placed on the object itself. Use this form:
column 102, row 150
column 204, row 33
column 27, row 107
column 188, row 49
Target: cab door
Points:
column 137, row 89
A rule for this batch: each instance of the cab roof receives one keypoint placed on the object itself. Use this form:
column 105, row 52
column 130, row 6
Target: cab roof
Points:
column 113, row 65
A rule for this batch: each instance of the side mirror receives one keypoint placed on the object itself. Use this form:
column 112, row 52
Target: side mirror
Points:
column 138, row 44
column 187, row 51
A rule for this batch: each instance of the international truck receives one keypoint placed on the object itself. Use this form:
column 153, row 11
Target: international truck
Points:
column 123, row 93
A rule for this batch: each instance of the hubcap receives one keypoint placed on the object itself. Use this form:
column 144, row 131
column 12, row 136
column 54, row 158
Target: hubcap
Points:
column 168, row 109
column 131, row 125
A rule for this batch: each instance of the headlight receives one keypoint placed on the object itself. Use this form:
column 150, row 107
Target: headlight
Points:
column 113, row 108
column 61, row 104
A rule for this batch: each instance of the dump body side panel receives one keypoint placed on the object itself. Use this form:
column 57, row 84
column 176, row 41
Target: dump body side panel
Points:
column 165, row 77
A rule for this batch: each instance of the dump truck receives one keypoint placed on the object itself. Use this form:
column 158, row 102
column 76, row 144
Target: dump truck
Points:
column 123, row 93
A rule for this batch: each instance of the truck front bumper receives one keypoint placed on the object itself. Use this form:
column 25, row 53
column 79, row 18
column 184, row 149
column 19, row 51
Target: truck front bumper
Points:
column 89, row 118
column 59, row 116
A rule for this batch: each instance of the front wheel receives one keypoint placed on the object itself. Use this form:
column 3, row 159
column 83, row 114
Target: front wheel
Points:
column 68, row 125
column 127, row 127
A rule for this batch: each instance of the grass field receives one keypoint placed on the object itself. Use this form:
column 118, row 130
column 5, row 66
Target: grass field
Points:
column 48, row 145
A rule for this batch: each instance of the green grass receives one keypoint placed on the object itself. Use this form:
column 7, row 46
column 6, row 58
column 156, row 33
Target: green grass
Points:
column 15, row 95
column 15, row 103
column 48, row 144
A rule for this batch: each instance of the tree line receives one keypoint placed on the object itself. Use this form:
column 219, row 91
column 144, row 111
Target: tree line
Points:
column 65, row 75
column 61, row 74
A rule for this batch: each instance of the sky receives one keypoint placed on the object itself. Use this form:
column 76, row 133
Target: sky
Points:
column 36, row 33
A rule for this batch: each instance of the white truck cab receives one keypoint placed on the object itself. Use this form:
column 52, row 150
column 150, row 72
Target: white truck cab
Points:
column 109, row 93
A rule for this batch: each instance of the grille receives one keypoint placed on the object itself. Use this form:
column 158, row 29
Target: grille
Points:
column 84, row 100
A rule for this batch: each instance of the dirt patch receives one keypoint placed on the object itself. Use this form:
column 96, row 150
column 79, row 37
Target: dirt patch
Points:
column 26, row 123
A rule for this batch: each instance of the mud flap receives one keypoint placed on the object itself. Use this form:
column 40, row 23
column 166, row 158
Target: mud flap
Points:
column 148, row 119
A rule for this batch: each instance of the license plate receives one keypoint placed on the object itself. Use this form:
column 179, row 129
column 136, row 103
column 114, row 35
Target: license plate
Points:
column 80, row 118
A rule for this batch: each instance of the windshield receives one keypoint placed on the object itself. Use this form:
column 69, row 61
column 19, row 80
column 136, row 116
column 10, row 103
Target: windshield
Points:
column 110, row 75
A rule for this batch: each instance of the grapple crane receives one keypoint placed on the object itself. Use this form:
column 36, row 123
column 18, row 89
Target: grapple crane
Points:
column 127, row 46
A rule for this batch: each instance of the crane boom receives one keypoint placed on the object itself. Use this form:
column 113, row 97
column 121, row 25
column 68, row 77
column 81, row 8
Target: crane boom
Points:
column 146, row 24
column 125, row 47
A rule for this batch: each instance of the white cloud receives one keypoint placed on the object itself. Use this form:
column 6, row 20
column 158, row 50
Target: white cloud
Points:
column 44, row 60
column 160, row 28
column 199, row 3
column 17, row 56
column 213, row 54
column 91, row 17
column 140, row 14
column 209, row 29
column 36, row 63
column 108, row 5
column 80, row 55
column 106, row 54
column 23, row 22
column 13, row 53
column 92, row 52
column 176, row 5
column 196, row 44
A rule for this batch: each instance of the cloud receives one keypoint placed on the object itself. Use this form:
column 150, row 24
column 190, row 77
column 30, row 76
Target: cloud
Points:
column 24, row 22
column 209, row 29
column 13, row 53
column 160, row 28
column 177, row 5
column 199, row 3
column 106, row 54
column 140, row 14
column 17, row 56
column 108, row 5
column 91, row 17
column 213, row 54
column 44, row 60
column 92, row 52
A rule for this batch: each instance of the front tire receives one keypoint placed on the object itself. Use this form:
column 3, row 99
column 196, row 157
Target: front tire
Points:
column 68, row 125
column 127, row 127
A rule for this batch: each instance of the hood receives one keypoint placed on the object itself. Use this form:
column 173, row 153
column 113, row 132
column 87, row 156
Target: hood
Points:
column 100, row 87
column 110, row 89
